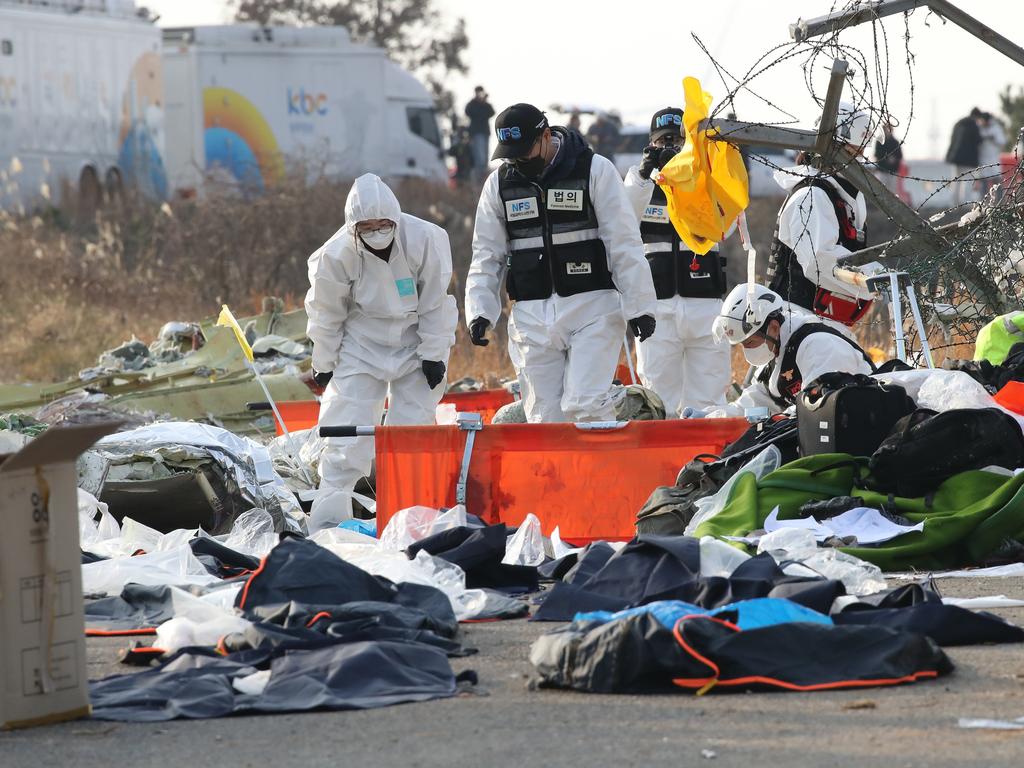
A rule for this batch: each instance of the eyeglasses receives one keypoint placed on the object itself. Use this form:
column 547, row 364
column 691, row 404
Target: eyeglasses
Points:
column 365, row 229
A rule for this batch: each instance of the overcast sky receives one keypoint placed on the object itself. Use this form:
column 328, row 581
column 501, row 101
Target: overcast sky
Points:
column 632, row 56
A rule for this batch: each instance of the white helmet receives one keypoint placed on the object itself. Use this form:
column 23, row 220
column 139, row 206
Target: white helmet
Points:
column 744, row 312
column 853, row 126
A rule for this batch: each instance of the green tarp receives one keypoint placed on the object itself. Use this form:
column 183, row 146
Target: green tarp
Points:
column 966, row 519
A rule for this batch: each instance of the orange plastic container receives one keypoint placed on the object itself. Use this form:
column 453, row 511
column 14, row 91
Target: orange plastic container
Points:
column 303, row 414
column 589, row 483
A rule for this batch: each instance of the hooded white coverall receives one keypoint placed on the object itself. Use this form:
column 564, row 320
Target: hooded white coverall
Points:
column 372, row 322
column 808, row 225
column 817, row 354
column 565, row 348
column 681, row 361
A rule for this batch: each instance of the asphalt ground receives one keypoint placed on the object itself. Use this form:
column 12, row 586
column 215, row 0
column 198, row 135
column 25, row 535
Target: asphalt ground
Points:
column 505, row 723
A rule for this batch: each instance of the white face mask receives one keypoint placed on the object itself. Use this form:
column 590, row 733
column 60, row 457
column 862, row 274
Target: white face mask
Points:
column 761, row 355
column 379, row 239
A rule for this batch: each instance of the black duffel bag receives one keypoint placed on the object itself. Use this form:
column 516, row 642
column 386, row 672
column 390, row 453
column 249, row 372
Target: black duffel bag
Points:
column 848, row 413
column 926, row 448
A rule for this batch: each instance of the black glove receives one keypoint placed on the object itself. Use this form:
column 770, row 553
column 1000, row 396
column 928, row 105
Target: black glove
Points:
column 434, row 371
column 650, row 161
column 323, row 379
column 477, row 329
column 642, row 327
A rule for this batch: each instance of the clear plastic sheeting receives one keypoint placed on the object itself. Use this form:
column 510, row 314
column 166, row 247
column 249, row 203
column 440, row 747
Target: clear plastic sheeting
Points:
column 769, row 460
column 176, row 566
column 796, row 550
column 559, row 548
column 181, row 632
column 373, row 557
column 95, row 523
column 526, row 545
column 416, row 523
column 718, row 558
column 296, row 469
column 252, row 533
column 941, row 390
column 247, row 461
column 993, row 725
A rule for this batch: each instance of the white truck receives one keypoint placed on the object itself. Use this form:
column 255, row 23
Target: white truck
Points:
column 247, row 105
column 81, row 102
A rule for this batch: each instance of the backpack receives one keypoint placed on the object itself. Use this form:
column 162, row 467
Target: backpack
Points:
column 670, row 508
column 848, row 413
column 926, row 448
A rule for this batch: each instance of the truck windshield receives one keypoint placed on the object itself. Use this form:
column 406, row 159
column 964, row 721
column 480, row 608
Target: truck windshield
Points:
column 423, row 123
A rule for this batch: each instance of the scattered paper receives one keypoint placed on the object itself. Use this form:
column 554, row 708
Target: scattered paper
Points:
column 992, row 601
column 867, row 525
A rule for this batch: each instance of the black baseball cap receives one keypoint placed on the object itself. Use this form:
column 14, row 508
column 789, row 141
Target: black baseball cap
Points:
column 517, row 128
column 667, row 121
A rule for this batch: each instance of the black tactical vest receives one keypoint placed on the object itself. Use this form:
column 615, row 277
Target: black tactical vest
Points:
column 552, row 231
column 786, row 276
column 677, row 271
column 791, row 380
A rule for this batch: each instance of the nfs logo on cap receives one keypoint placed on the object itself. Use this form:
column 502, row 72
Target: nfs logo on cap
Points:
column 662, row 121
column 513, row 133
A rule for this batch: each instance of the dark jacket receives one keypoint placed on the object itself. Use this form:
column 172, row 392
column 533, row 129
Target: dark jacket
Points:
column 888, row 154
column 573, row 144
column 479, row 114
column 963, row 147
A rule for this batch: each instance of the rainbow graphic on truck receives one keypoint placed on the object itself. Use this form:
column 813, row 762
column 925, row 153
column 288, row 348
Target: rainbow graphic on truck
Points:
column 239, row 140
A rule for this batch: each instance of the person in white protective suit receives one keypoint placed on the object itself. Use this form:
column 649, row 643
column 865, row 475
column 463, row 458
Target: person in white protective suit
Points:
column 382, row 325
column 789, row 346
column 555, row 224
column 681, row 361
column 822, row 220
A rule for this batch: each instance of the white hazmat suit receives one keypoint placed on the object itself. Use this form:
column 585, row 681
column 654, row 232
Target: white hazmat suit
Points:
column 817, row 354
column 682, row 362
column 565, row 348
column 808, row 224
column 373, row 322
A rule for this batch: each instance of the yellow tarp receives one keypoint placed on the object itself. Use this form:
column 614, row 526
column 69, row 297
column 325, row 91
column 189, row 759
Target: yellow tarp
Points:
column 706, row 183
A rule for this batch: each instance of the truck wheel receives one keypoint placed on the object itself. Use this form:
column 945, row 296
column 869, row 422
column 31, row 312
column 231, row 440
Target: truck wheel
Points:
column 90, row 195
column 114, row 187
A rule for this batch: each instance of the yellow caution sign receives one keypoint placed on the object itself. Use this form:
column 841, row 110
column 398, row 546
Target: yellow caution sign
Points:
column 706, row 183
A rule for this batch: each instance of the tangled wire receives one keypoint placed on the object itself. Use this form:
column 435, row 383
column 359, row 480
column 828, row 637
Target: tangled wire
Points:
column 970, row 273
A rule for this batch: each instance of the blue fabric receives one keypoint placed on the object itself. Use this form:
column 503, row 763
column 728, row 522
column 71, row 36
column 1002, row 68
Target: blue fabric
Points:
column 750, row 614
column 406, row 286
column 365, row 527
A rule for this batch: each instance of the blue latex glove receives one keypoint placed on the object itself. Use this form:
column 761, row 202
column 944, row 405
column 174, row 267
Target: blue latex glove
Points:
column 690, row 412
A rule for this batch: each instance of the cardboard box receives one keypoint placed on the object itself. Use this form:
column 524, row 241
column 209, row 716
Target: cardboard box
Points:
column 43, row 676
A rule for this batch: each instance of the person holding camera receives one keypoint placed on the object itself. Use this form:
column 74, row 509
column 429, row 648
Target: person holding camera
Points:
column 681, row 361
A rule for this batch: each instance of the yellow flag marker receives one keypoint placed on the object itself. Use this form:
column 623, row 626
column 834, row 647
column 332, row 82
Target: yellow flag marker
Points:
column 227, row 319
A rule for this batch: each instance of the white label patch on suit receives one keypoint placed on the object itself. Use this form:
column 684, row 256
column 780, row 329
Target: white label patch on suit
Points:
column 578, row 268
column 565, row 200
column 657, row 214
column 523, row 208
